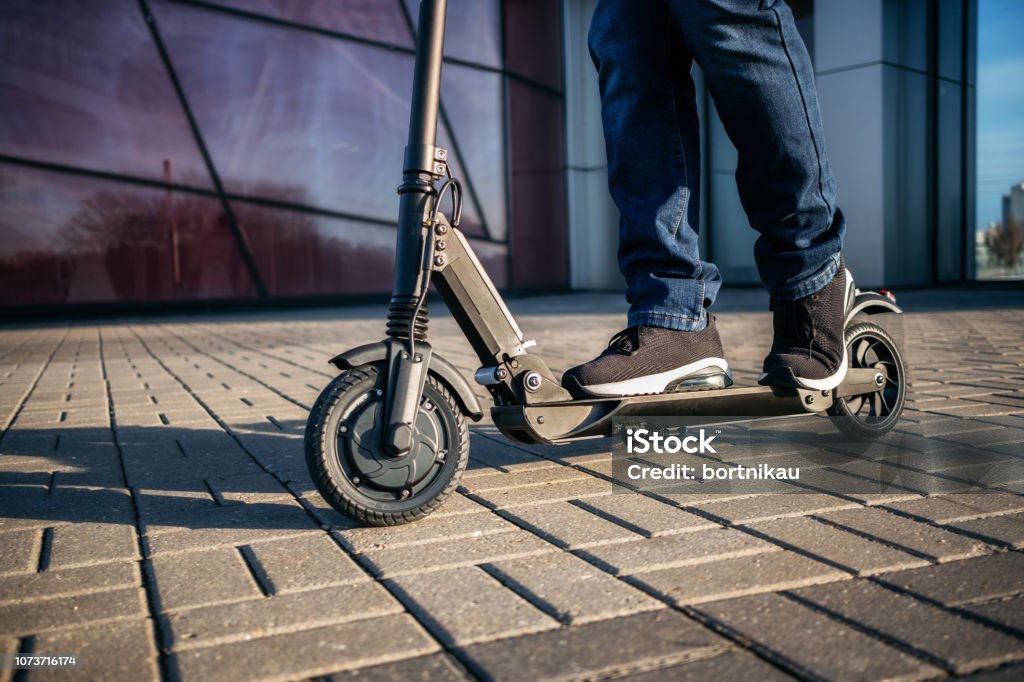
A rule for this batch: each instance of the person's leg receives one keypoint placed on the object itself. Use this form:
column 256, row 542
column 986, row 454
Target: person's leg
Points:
column 760, row 76
column 648, row 108
column 649, row 112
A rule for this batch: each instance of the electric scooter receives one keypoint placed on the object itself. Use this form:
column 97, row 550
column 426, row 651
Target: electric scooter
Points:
column 387, row 440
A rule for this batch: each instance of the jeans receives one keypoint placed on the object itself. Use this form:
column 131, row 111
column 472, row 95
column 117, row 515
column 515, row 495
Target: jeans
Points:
column 759, row 74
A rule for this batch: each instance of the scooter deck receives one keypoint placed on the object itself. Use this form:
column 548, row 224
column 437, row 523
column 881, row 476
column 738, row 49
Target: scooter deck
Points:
column 564, row 421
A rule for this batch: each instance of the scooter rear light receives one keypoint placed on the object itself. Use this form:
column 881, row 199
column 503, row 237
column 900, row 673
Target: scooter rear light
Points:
column 888, row 294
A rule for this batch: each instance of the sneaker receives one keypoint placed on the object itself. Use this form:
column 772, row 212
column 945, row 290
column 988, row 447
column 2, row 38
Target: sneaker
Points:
column 642, row 360
column 808, row 350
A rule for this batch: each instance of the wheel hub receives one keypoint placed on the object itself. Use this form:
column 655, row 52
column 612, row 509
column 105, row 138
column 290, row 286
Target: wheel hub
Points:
column 361, row 441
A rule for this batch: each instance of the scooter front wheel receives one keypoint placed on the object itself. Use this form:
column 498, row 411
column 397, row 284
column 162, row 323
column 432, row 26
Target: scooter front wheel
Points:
column 868, row 416
column 352, row 470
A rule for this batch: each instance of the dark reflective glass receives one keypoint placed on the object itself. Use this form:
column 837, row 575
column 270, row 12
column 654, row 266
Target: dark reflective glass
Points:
column 533, row 41
column 473, row 30
column 320, row 119
column 278, row 107
column 72, row 239
column 538, row 240
column 82, row 84
column 472, row 99
column 374, row 19
column 305, row 254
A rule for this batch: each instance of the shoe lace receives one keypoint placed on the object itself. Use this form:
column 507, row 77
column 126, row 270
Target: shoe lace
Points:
column 627, row 341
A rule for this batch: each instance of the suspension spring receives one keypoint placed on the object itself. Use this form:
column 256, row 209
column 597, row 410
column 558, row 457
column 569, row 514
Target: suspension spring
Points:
column 400, row 313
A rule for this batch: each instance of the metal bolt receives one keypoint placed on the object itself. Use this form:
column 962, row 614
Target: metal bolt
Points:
column 514, row 363
column 439, row 168
column 879, row 379
column 343, row 429
column 441, row 154
column 501, row 373
column 809, row 399
column 379, row 392
column 532, row 381
column 441, row 455
column 441, row 228
column 824, row 394
column 540, row 419
column 441, row 245
column 356, row 480
column 406, row 493
column 439, row 260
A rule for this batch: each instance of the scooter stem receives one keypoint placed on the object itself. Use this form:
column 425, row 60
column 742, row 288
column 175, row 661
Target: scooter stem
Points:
column 423, row 165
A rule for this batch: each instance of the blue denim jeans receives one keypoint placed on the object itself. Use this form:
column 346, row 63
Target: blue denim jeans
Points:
column 759, row 74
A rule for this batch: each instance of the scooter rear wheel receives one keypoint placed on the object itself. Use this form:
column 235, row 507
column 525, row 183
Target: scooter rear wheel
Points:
column 346, row 458
column 871, row 415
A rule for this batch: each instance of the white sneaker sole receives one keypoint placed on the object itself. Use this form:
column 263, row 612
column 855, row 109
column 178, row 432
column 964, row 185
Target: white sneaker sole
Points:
column 837, row 377
column 653, row 383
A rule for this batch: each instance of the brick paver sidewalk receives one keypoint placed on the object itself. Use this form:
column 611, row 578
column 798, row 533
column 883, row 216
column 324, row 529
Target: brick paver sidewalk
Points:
column 157, row 520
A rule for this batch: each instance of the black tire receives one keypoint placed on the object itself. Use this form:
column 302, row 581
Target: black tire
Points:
column 874, row 414
column 347, row 463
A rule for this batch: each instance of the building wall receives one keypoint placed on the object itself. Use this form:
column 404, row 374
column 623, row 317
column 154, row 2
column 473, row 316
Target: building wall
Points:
column 244, row 149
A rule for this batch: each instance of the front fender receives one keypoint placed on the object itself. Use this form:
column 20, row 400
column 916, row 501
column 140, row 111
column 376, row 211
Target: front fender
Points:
column 453, row 379
column 871, row 303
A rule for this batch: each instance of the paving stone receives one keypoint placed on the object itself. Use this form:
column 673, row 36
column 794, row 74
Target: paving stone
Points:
column 927, row 541
column 284, row 522
column 734, row 664
column 33, row 617
column 522, row 479
column 1012, row 673
column 27, row 586
column 8, row 645
column 91, row 543
column 541, row 494
column 688, row 549
column 121, row 650
column 426, row 531
column 960, row 644
column 611, row 647
column 748, row 509
column 435, row 668
column 1006, row 530
column 466, row 605
column 202, row 578
column 568, row 526
column 735, row 577
column 248, row 488
column 570, row 589
column 307, row 653
column 456, row 553
column 1007, row 612
column 950, row 508
column 851, row 552
column 964, row 582
column 644, row 515
column 19, row 551
column 208, row 625
column 304, row 562
column 812, row 643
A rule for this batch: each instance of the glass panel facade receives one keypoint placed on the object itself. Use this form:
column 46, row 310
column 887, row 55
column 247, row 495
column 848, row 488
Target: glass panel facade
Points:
column 379, row 20
column 473, row 30
column 82, row 84
column 286, row 113
column 303, row 109
column 999, row 208
column 75, row 239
